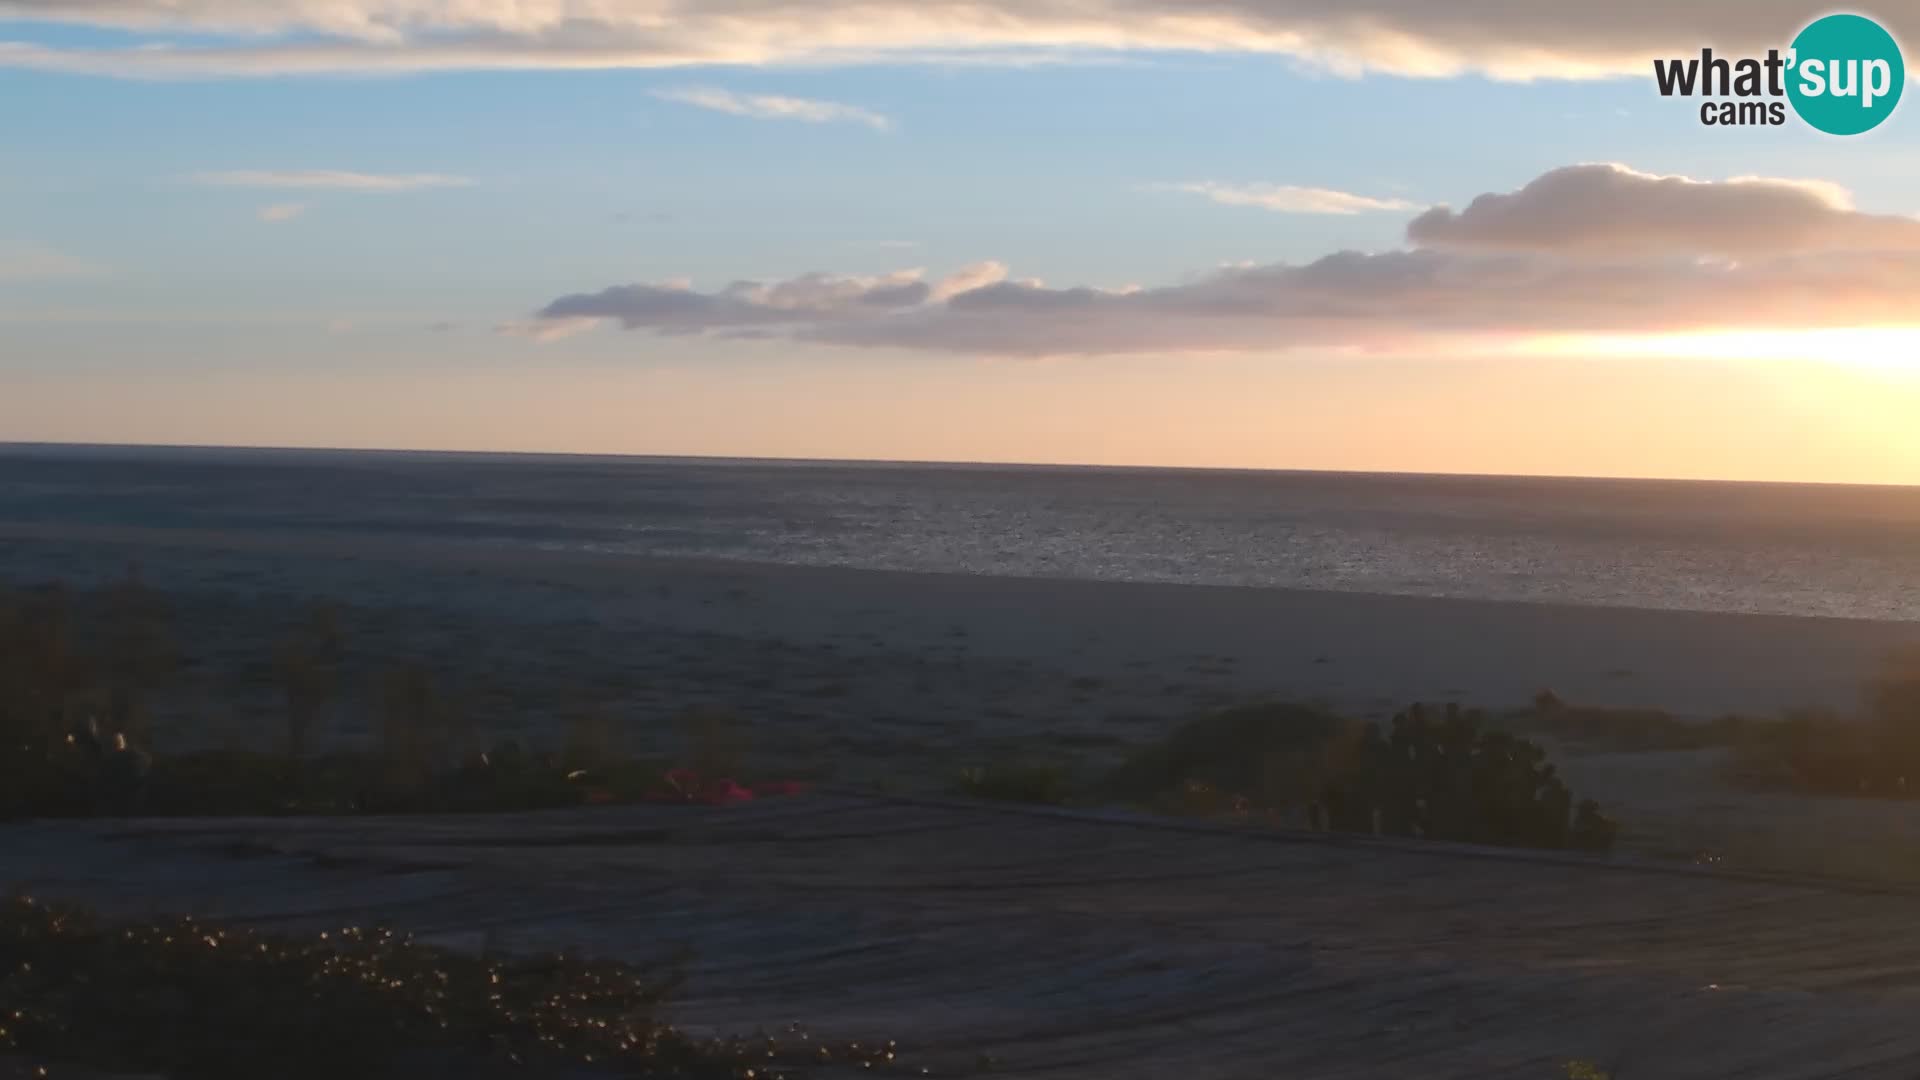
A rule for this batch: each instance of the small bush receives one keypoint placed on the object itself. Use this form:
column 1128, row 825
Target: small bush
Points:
column 1274, row 754
column 592, row 741
column 1876, row 756
column 1619, row 729
column 42, row 668
column 713, row 742
column 308, row 664
column 420, row 729
column 1442, row 776
column 1045, row 785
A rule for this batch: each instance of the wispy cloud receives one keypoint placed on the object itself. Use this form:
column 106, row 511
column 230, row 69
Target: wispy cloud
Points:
column 547, row 328
column 1290, row 199
column 42, row 264
column 1418, row 38
column 774, row 107
column 279, row 212
column 328, row 180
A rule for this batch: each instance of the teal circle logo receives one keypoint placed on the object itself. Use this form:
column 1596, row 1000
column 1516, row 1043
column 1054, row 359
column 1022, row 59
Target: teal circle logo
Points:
column 1847, row 74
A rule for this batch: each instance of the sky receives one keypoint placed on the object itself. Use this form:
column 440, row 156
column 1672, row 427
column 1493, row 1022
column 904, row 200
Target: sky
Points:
column 1302, row 234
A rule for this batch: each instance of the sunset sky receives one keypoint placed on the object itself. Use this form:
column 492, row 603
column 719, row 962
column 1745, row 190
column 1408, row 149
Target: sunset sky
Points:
column 1313, row 234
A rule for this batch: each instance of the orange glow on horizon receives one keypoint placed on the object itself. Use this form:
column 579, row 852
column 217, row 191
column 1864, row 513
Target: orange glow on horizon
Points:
column 1893, row 348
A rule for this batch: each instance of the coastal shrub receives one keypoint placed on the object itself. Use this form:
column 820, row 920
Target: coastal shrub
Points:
column 46, row 779
column 1444, row 776
column 420, row 730
column 67, row 734
column 1808, row 750
column 1046, row 785
column 75, row 666
column 1632, row 730
column 592, row 741
column 713, row 741
column 1440, row 776
column 1874, row 756
column 41, row 667
column 504, row 778
column 188, row 998
column 70, row 706
column 1274, row 754
column 1893, row 703
column 136, row 653
column 308, row 666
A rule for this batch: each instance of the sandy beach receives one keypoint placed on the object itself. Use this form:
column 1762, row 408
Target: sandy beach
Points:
column 943, row 652
column 901, row 679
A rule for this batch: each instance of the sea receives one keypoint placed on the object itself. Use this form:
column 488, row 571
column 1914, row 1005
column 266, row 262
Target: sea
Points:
column 1822, row 550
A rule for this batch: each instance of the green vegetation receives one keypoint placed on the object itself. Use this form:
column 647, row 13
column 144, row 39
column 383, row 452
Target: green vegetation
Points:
column 1438, row 776
column 78, row 670
column 1627, row 730
column 1274, row 755
column 216, row 1002
column 74, row 736
column 1873, row 755
column 73, row 741
column 1044, row 785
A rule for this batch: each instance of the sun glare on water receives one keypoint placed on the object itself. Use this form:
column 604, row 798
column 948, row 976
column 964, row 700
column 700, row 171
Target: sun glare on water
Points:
column 1891, row 348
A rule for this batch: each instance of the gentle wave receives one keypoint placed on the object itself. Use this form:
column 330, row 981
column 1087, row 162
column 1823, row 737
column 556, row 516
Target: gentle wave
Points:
column 1851, row 552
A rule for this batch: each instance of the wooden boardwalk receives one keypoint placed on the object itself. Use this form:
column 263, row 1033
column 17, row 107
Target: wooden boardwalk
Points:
column 1088, row 945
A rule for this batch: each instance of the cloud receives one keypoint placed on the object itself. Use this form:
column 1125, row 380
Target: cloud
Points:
column 41, row 264
column 967, row 279
column 1289, row 199
column 1509, row 39
column 548, row 328
column 328, row 180
column 279, row 212
column 1471, row 275
column 772, row 107
column 1614, row 209
column 810, row 298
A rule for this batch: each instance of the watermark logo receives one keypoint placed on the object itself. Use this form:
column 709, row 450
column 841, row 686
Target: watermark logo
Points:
column 1843, row 75
column 1851, row 75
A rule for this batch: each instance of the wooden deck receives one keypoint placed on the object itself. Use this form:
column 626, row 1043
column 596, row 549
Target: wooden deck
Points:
column 1088, row 945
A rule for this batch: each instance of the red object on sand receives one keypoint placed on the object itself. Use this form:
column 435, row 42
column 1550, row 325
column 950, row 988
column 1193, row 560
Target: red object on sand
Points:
column 726, row 791
column 689, row 786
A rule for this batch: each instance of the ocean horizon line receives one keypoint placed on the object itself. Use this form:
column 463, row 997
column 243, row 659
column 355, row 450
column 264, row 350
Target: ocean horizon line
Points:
column 724, row 460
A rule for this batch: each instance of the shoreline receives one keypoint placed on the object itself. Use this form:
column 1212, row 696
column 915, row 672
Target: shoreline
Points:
column 1354, row 650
